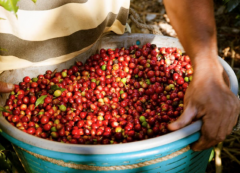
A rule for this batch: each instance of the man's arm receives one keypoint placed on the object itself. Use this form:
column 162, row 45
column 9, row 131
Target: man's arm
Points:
column 207, row 97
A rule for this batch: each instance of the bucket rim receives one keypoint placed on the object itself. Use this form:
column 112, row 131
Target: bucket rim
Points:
column 115, row 148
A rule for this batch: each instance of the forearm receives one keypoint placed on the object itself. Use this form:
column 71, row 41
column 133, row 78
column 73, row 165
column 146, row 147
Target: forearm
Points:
column 194, row 23
column 207, row 92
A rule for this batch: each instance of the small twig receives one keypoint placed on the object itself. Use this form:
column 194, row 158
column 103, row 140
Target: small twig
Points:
column 237, row 133
column 135, row 7
column 231, row 143
column 218, row 160
column 144, row 18
column 136, row 20
column 231, row 156
column 236, row 151
column 150, row 13
column 236, row 69
column 225, row 51
column 237, row 138
column 236, row 145
column 229, row 140
column 54, row 72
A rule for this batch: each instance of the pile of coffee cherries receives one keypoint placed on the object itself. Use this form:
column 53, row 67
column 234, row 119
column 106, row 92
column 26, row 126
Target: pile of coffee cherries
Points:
column 117, row 96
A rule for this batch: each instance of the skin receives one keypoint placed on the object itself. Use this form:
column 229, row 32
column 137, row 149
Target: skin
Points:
column 6, row 87
column 208, row 97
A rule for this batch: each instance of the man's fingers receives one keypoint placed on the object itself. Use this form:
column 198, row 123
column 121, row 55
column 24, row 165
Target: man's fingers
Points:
column 6, row 87
column 186, row 118
column 205, row 141
column 212, row 131
column 202, row 144
column 234, row 117
column 226, row 78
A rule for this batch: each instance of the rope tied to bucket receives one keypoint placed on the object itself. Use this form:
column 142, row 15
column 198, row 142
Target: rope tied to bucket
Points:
column 109, row 168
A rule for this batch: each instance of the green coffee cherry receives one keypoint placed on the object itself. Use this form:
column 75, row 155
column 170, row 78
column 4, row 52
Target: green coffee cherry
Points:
column 57, row 93
column 186, row 79
column 62, row 108
column 103, row 67
column 124, row 80
column 144, row 124
column 35, row 79
column 64, row 74
column 142, row 118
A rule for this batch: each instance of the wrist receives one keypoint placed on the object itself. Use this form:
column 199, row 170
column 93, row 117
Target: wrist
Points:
column 208, row 67
column 207, row 62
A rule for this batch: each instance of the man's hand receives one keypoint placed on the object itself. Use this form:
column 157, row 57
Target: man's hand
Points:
column 209, row 98
column 6, row 87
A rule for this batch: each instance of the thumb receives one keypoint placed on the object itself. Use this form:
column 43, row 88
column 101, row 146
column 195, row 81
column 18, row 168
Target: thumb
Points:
column 186, row 118
column 6, row 87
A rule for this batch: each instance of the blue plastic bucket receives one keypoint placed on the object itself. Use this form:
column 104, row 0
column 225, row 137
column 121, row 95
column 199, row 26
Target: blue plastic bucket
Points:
column 168, row 153
column 173, row 157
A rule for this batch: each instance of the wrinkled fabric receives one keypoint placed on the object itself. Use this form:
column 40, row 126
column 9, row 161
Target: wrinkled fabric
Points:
column 52, row 32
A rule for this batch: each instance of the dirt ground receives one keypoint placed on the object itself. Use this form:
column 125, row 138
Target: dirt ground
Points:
column 152, row 12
